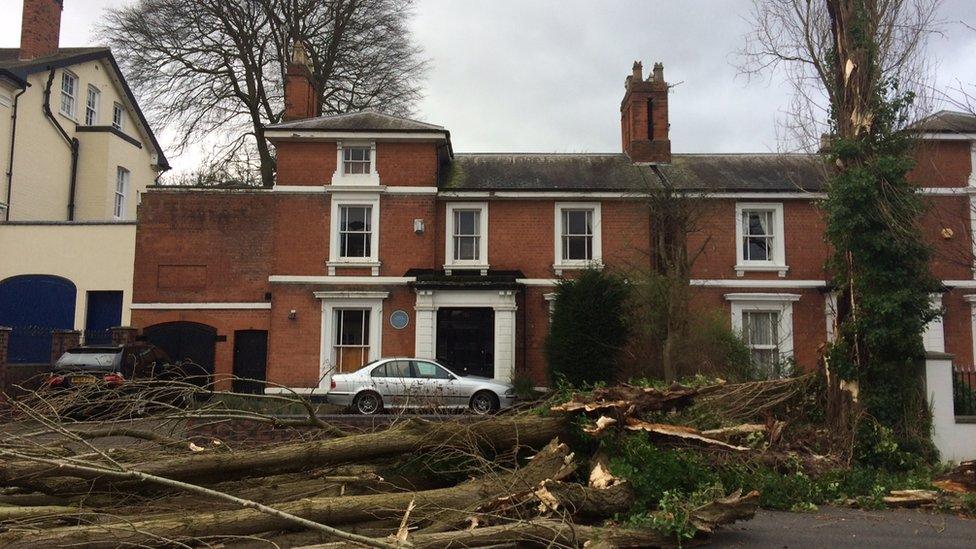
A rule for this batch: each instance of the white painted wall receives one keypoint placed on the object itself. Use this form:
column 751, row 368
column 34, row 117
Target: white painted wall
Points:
column 93, row 257
column 955, row 441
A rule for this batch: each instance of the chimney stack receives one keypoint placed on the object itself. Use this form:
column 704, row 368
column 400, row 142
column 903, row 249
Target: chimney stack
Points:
column 40, row 28
column 301, row 101
column 644, row 117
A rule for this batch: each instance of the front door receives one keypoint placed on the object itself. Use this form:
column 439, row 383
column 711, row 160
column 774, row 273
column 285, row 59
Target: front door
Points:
column 103, row 312
column 250, row 361
column 466, row 340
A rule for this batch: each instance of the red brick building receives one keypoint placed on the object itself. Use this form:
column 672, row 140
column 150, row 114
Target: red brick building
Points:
column 378, row 240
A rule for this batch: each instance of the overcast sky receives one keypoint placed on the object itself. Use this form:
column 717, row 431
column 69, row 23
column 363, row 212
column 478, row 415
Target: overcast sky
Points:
column 547, row 75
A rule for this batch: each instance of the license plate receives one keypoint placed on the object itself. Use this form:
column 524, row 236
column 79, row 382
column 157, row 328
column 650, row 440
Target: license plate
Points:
column 82, row 380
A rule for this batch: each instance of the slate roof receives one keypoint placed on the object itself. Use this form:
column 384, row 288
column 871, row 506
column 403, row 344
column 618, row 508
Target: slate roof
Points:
column 368, row 121
column 11, row 63
column 615, row 172
column 947, row 122
column 10, row 59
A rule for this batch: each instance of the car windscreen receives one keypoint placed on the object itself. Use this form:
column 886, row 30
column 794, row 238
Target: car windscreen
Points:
column 102, row 360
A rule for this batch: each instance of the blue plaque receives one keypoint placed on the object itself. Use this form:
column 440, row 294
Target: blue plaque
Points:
column 399, row 319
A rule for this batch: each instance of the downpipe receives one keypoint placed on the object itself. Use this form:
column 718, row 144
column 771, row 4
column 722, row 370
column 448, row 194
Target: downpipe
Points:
column 10, row 161
column 72, row 142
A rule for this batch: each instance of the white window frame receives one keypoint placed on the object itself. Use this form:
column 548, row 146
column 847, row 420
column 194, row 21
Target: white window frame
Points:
column 481, row 263
column 782, row 304
column 331, row 301
column 340, row 177
column 117, row 108
column 778, row 262
column 372, row 262
column 559, row 264
column 123, row 182
column 92, row 108
column 69, row 101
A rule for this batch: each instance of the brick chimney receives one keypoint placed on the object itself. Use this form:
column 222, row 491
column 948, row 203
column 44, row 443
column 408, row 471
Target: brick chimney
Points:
column 40, row 28
column 644, row 117
column 301, row 101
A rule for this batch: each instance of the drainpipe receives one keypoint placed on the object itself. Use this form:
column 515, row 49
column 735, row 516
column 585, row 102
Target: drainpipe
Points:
column 72, row 142
column 10, row 162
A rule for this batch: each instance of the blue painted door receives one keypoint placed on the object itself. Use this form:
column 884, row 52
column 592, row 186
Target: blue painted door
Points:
column 104, row 311
column 34, row 305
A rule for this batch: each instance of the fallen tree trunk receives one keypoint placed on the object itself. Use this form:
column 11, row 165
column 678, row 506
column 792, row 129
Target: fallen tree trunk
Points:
column 552, row 462
column 409, row 436
column 544, row 532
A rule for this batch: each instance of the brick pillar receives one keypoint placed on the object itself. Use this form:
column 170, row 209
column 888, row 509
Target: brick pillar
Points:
column 124, row 335
column 61, row 341
column 4, row 347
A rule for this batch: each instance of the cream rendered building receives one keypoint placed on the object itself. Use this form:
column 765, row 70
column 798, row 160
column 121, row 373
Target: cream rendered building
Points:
column 76, row 153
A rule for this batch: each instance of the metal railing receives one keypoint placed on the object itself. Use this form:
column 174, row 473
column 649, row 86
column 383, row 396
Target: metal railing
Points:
column 964, row 390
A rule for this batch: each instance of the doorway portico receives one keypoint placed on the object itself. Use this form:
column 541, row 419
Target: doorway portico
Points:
column 460, row 318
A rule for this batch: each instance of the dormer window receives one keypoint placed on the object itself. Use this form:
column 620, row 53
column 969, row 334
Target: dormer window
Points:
column 356, row 160
column 356, row 164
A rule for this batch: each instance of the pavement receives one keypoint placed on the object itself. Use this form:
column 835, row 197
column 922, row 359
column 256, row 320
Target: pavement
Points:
column 836, row 528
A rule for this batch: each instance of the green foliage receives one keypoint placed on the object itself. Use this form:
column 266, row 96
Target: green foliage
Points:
column 588, row 329
column 657, row 474
column 876, row 446
column 879, row 258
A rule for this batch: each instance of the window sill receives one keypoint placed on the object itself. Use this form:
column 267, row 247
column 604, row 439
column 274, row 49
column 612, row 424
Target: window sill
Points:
column 482, row 267
column 360, row 180
column 364, row 263
column 558, row 268
column 69, row 117
column 742, row 268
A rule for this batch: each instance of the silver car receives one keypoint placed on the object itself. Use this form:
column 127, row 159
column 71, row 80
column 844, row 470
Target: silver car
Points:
column 416, row 383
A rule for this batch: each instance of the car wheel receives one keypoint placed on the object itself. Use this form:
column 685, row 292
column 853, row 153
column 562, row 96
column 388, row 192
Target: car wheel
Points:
column 368, row 403
column 484, row 402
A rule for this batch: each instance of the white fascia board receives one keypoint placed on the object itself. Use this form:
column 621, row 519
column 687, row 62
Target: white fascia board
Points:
column 351, row 295
column 194, row 306
column 967, row 284
column 373, row 280
column 780, row 298
column 739, row 283
column 299, row 189
column 949, row 136
column 307, row 135
column 403, row 189
column 537, row 281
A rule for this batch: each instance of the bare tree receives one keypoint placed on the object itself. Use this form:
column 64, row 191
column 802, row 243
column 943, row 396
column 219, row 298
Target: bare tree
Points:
column 796, row 36
column 214, row 69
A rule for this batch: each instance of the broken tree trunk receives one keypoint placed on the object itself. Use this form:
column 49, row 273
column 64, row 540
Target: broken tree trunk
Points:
column 544, row 532
column 554, row 461
column 410, row 436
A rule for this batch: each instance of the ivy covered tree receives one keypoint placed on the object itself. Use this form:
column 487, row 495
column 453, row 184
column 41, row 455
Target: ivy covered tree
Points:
column 854, row 65
column 588, row 330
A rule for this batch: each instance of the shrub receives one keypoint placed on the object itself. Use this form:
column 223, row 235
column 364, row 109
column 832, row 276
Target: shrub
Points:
column 588, row 329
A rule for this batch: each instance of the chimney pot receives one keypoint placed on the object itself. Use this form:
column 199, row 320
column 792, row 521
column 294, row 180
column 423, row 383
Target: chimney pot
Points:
column 40, row 28
column 659, row 72
column 638, row 71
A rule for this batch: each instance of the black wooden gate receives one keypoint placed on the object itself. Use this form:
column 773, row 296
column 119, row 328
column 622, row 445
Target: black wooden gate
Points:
column 185, row 340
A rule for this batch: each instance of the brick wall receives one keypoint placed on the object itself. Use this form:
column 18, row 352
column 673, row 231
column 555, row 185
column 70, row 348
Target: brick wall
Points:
column 410, row 164
column 942, row 163
column 204, row 246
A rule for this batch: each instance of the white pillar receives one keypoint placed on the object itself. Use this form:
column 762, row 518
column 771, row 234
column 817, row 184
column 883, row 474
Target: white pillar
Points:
column 504, row 342
column 425, row 343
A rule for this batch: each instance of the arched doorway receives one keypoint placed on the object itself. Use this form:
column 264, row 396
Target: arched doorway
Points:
column 182, row 340
column 34, row 306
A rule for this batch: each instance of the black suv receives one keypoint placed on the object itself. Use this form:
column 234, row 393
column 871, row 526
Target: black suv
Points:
column 113, row 366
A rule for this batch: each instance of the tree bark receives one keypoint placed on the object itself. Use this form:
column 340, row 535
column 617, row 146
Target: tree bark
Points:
column 552, row 462
column 410, row 436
